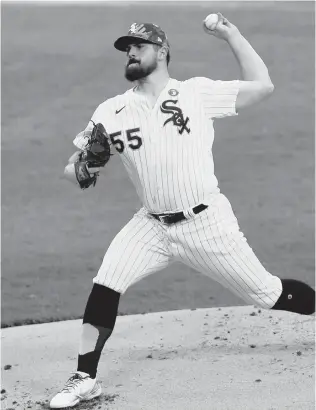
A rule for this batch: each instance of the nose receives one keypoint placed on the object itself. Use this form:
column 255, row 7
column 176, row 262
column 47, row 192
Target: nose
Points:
column 132, row 52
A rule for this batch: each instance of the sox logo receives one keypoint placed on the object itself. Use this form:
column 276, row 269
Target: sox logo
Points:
column 176, row 116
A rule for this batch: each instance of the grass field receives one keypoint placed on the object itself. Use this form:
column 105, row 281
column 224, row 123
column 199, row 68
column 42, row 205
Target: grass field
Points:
column 58, row 64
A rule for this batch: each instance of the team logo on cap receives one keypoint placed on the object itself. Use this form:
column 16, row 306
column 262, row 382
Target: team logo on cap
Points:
column 140, row 30
column 173, row 92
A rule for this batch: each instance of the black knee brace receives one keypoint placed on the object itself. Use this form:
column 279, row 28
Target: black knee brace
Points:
column 297, row 297
column 102, row 307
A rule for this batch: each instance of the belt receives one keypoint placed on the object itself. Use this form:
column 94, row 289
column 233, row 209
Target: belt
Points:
column 174, row 217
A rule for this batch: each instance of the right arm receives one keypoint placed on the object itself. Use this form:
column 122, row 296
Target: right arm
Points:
column 256, row 83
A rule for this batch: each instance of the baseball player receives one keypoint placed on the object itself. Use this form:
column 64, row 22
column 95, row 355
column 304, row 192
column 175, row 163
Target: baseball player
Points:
column 162, row 129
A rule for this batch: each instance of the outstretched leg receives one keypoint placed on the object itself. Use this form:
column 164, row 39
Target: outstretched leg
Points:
column 213, row 244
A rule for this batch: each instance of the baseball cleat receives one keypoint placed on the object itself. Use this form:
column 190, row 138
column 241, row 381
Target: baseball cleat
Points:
column 79, row 387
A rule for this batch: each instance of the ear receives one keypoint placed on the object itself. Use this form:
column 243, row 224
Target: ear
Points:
column 162, row 53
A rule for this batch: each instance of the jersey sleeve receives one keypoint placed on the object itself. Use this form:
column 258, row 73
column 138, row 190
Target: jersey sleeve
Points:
column 218, row 97
column 99, row 115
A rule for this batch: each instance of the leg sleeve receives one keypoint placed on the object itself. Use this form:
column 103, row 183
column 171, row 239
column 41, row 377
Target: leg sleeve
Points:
column 138, row 250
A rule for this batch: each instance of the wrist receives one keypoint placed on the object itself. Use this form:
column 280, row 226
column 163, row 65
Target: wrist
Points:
column 234, row 37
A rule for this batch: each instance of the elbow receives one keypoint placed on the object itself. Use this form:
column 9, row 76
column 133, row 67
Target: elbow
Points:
column 268, row 88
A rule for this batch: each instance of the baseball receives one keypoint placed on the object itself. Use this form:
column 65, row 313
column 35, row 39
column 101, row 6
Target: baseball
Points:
column 211, row 21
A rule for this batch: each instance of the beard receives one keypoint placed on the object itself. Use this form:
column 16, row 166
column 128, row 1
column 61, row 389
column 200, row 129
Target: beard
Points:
column 136, row 71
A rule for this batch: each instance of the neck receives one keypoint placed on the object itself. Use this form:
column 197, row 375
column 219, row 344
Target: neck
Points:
column 153, row 83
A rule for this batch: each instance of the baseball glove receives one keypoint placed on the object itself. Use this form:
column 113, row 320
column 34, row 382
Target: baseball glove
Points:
column 95, row 155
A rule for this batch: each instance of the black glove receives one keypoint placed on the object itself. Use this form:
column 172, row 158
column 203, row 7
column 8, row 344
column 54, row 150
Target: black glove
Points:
column 96, row 154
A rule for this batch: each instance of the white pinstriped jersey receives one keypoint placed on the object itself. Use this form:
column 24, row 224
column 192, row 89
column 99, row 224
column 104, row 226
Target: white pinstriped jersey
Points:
column 167, row 148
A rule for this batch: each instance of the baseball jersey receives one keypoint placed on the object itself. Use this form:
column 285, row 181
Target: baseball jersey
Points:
column 167, row 148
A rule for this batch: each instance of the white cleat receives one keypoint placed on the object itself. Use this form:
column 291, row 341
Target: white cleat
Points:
column 79, row 387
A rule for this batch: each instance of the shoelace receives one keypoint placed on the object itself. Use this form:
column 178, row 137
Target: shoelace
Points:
column 73, row 381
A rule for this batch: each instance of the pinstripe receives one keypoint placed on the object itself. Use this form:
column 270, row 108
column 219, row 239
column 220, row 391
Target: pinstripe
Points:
column 163, row 159
column 143, row 160
column 183, row 247
column 259, row 268
column 209, row 251
column 128, row 240
column 130, row 232
column 131, row 246
column 184, row 187
column 245, row 257
column 241, row 244
column 148, row 255
column 235, row 273
column 172, row 177
column 150, row 246
column 131, row 256
column 195, row 249
column 252, row 258
column 232, row 250
column 131, row 273
column 144, row 123
column 136, row 156
column 237, row 262
column 154, row 267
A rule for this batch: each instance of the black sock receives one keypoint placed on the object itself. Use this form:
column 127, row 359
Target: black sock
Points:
column 88, row 363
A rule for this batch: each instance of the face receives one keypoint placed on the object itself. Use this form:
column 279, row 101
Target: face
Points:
column 141, row 61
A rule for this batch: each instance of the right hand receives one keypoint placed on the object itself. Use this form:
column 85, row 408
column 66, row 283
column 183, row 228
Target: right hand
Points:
column 224, row 29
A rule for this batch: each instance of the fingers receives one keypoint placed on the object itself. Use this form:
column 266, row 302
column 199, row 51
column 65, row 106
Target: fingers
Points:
column 94, row 170
column 74, row 157
column 223, row 20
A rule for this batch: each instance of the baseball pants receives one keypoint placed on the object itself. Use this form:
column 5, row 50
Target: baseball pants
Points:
column 210, row 242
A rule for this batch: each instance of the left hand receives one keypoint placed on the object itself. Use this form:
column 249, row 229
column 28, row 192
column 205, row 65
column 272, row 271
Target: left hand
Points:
column 224, row 29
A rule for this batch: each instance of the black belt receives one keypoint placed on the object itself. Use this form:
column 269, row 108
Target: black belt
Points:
column 175, row 217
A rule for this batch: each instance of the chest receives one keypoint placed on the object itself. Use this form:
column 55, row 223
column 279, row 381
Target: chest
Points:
column 169, row 116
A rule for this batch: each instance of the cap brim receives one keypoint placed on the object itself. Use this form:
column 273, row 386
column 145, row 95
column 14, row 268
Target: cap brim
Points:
column 122, row 43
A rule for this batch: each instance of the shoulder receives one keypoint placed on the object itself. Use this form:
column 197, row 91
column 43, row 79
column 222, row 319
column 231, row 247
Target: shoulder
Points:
column 112, row 103
column 208, row 86
column 199, row 81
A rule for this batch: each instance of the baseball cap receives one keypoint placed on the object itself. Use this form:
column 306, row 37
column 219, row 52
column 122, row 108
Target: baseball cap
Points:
column 143, row 32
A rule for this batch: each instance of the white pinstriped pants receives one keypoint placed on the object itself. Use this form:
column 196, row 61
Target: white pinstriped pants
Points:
column 211, row 243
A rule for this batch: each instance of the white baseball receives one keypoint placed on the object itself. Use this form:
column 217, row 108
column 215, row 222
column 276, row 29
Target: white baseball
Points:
column 211, row 21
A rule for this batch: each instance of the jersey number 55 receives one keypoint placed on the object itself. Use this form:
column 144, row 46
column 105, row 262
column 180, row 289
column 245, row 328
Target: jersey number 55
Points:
column 135, row 141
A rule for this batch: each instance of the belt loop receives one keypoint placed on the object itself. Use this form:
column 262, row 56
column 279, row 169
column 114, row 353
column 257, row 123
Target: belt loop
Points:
column 191, row 213
column 188, row 213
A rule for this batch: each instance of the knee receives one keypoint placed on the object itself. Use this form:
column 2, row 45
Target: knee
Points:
column 102, row 307
column 297, row 297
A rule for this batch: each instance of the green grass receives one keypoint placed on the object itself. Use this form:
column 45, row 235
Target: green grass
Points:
column 58, row 64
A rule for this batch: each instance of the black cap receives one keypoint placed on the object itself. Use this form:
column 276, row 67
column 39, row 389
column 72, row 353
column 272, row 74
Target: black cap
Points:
column 142, row 32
